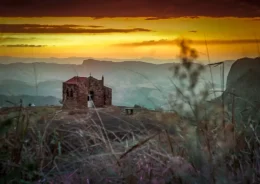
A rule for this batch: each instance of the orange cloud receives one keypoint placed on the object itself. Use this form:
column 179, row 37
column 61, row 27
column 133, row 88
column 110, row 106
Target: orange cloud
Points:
column 176, row 41
column 24, row 45
column 162, row 17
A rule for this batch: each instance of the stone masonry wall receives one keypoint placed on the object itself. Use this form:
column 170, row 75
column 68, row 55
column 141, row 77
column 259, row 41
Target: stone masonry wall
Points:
column 82, row 98
column 97, row 87
column 76, row 95
column 108, row 96
column 69, row 96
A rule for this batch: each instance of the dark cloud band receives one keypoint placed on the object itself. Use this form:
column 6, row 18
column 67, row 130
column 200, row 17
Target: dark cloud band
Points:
column 127, row 8
column 38, row 28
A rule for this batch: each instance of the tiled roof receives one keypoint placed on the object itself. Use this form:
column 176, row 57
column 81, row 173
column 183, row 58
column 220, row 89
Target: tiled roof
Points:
column 107, row 87
column 75, row 80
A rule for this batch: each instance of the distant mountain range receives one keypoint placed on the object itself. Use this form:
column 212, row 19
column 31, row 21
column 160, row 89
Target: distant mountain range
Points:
column 133, row 82
column 47, row 70
column 78, row 60
column 16, row 87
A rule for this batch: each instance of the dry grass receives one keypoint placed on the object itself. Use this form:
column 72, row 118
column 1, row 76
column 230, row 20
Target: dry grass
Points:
column 61, row 146
column 78, row 151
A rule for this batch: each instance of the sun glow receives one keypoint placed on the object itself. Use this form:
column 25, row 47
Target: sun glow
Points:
column 106, row 37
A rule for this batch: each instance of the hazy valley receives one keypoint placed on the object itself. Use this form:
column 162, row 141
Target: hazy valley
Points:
column 133, row 82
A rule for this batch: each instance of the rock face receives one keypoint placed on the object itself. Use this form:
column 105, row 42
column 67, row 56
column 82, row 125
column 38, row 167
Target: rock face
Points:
column 243, row 78
column 242, row 67
column 77, row 91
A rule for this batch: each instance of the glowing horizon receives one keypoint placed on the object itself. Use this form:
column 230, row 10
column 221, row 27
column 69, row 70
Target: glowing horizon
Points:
column 128, row 38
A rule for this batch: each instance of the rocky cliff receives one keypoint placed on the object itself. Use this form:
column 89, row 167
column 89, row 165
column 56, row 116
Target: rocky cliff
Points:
column 244, row 81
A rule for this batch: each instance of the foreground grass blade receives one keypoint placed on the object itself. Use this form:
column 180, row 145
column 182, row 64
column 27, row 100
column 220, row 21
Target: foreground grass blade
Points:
column 138, row 145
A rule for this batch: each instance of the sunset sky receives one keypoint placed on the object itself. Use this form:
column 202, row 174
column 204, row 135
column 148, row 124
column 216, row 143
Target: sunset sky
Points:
column 129, row 29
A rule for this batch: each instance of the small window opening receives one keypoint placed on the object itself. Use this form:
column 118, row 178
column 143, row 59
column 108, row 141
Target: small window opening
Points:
column 91, row 95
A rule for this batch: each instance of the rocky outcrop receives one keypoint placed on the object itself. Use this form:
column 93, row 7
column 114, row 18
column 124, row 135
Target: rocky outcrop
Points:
column 242, row 67
column 244, row 82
